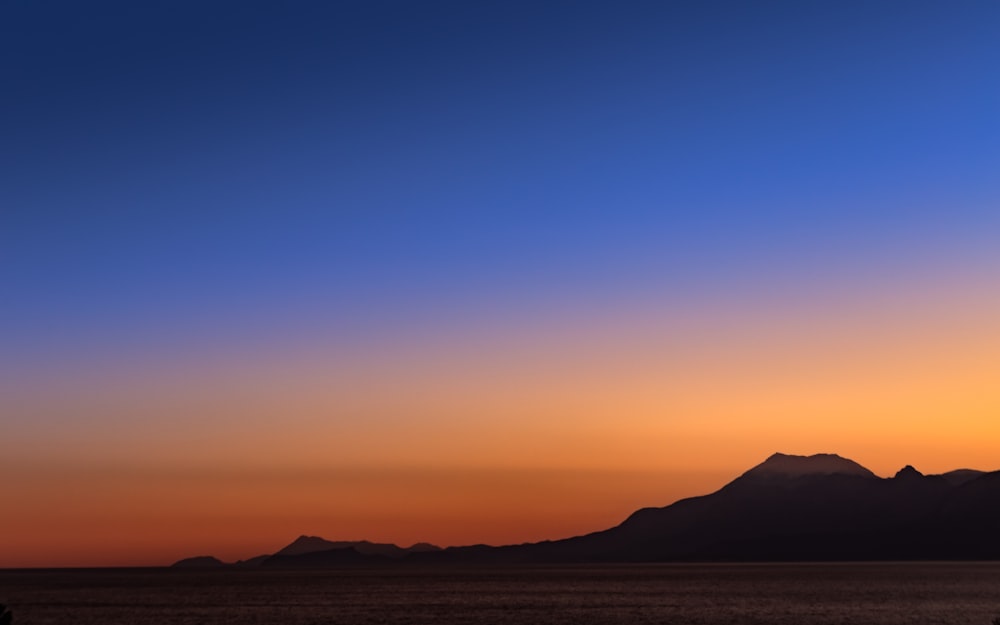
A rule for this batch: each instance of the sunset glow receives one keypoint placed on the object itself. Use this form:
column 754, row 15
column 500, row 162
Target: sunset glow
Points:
column 442, row 289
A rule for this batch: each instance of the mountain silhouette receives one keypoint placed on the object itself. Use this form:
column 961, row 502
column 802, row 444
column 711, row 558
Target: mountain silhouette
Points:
column 199, row 562
column 788, row 508
column 313, row 551
column 783, row 466
column 311, row 544
column 342, row 556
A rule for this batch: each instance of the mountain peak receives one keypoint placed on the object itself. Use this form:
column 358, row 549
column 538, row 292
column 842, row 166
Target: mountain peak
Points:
column 787, row 465
column 422, row 547
column 312, row 544
column 908, row 472
column 306, row 544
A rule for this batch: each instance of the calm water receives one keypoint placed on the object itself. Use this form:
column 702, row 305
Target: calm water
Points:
column 684, row 594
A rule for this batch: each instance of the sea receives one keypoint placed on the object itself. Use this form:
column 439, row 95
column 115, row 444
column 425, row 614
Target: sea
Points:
column 690, row 594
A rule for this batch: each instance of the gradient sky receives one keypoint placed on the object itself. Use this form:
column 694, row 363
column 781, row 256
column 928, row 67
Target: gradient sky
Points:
column 471, row 272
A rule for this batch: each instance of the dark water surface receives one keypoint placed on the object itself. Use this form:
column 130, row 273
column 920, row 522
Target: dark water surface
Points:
column 940, row 593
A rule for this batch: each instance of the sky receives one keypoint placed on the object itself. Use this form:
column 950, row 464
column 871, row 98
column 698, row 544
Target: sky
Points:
column 479, row 272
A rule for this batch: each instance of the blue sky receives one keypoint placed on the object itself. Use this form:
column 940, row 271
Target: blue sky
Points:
column 179, row 169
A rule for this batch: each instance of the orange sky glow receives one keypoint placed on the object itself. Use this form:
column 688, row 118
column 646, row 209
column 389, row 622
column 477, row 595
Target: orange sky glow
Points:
column 533, row 431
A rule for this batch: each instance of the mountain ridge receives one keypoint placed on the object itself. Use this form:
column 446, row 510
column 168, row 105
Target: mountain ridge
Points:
column 788, row 465
column 818, row 507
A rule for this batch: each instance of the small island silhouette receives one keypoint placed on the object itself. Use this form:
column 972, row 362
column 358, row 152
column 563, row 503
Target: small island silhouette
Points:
column 788, row 508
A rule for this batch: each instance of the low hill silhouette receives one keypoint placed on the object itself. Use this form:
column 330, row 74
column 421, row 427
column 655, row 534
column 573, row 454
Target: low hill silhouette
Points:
column 314, row 551
column 199, row 562
column 311, row 544
column 788, row 508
